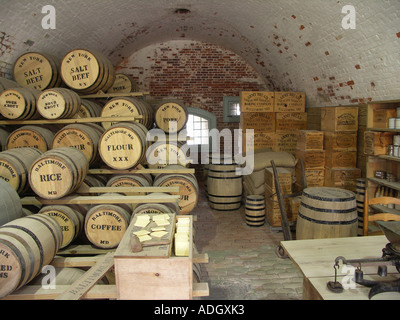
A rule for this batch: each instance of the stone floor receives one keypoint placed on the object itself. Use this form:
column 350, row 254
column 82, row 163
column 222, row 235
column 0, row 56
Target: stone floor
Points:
column 243, row 264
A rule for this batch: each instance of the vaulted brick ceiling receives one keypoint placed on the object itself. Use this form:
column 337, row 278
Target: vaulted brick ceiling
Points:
column 293, row 44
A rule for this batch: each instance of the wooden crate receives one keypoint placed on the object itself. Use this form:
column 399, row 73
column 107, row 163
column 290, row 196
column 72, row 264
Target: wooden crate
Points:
column 340, row 159
column 339, row 119
column 258, row 121
column 284, row 178
column 257, row 101
column 312, row 158
column 290, row 121
column 259, row 140
column 286, row 142
column 315, row 177
column 344, row 178
column 380, row 118
column 290, row 102
column 340, row 141
column 154, row 276
column 310, row 140
column 273, row 212
column 376, row 143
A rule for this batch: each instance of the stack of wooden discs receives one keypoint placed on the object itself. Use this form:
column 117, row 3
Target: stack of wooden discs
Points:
column 27, row 245
column 123, row 84
column 31, row 136
column 58, row 103
column 84, row 137
column 187, row 183
column 171, row 116
column 124, row 145
column 38, row 71
column 58, row 172
column 87, row 71
column 10, row 203
column 19, row 104
column 15, row 165
column 70, row 221
column 128, row 106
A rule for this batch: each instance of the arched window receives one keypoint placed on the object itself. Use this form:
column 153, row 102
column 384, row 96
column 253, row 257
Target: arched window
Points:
column 198, row 126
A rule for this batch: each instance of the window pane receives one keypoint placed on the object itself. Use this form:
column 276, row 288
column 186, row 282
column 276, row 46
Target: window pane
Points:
column 197, row 129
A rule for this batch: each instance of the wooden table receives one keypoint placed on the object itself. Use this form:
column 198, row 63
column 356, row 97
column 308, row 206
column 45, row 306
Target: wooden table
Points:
column 316, row 258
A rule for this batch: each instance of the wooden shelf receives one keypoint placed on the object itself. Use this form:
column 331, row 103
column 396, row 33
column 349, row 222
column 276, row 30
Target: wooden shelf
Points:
column 70, row 121
column 383, row 182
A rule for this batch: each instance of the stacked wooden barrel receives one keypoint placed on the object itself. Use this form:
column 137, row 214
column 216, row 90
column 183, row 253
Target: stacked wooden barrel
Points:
column 123, row 84
column 171, row 116
column 19, row 103
column 58, row 103
column 30, row 136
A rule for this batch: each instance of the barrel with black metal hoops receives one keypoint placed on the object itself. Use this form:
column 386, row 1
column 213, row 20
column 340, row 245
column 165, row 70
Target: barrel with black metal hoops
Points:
column 224, row 186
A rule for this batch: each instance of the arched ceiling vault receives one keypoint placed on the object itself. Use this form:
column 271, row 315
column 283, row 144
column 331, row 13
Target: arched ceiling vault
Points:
column 293, row 44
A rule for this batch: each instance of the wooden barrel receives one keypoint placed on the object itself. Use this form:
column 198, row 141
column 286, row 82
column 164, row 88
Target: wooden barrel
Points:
column 58, row 103
column 87, row 71
column 130, row 181
column 106, row 224
column 89, row 109
column 58, row 172
column 7, row 84
column 360, row 197
column 70, row 221
column 31, row 136
column 82, row 137
column 4, row 133
column 38, row 71
column 188, row 188
column 10, row 203
column 27, row 245
column 15, row 165
column 128, row 106
column 19, row 104
column 156, row 208
column 123, row 84
column 124, row 145
column 255, row 210
column 224, row 187
column 327, row 213
column 163, row 153
column 171, row 116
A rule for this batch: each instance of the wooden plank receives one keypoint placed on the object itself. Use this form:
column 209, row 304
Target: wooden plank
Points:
column 39, row 293
column 86, row 189
column 82, row 285
column 75, row 262
column 200, row 258
column 132, row 171
column 70, row 121
column 201, row 289
column 102, row 95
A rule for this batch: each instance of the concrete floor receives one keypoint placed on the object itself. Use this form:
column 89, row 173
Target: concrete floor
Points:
column 243, row 264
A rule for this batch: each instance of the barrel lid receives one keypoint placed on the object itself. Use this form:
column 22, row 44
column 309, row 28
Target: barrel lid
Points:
column 329, row 194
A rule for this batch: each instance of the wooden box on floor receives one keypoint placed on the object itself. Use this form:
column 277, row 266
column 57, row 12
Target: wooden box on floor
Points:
column 344, row 178
column 312, row 158
column 341, row 159
column 340, row 141
column 315, row 177
column 284, row 177
column 155, row 278
column 286, row 142
column 308, row 140
column 259, row 140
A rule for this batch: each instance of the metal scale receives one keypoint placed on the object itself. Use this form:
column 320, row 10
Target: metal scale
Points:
column 390, row 256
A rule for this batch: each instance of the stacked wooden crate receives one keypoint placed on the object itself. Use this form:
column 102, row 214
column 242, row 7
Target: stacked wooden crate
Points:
column 275, row 118
column 340, row 126
column 310, row 149
column 257, row 113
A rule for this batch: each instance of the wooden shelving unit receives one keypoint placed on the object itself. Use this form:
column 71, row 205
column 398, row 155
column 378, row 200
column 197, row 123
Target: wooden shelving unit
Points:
column 377, row 114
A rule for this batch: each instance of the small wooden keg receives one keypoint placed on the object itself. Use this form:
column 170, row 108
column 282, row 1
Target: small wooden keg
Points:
column 128, row 106
column 124, row 145
column 188, row 188
column 360, row 197
column 19, row 104
column 15, row 165
column 224, row 187
column 255, row 210
column 58, row 103
column 105, row 225
column 130, row 181
column 31, row 136
column 171, row 116
column 27, row 245
column 327, row 213
column 123, row 84
column 163, row 153
column 70, row 221
column 38, row 71
column 82, row 137
column 58, row 172
column 87, row 71
column 10, row 203
column 89, row 109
